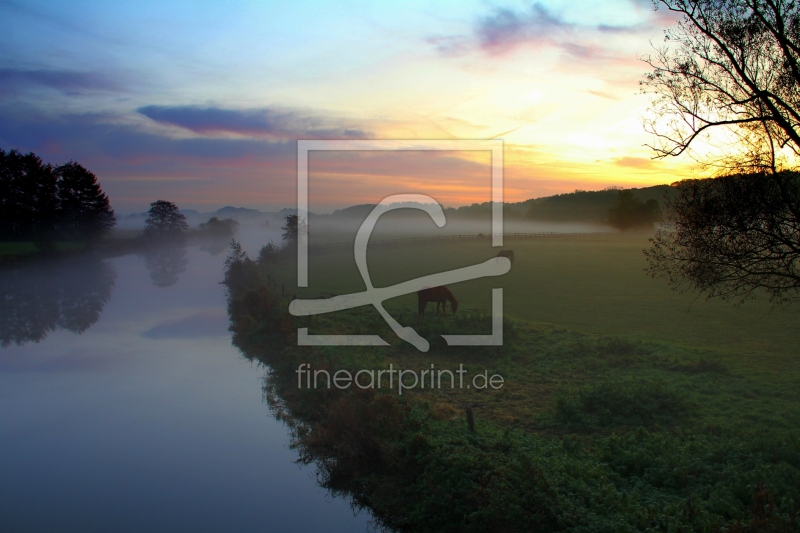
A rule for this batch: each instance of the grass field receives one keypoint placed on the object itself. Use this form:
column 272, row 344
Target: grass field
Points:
column 568, row 297
column 593, row 284
column 616, row 389
column 24, row 248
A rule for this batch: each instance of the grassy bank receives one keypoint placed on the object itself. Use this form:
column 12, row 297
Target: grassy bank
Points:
column 620, row 410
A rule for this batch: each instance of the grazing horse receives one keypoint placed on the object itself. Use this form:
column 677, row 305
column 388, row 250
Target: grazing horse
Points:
column 440, row 295
column 507, row 253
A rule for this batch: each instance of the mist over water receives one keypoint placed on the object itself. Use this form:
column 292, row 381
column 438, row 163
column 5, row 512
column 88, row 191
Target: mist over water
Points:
column 124, row 407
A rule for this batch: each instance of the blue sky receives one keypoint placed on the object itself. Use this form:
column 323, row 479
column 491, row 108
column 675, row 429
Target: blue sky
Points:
column 202, row 102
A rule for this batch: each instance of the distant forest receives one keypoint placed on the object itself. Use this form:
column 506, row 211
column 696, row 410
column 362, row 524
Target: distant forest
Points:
column 39, row 201
column 579, row 206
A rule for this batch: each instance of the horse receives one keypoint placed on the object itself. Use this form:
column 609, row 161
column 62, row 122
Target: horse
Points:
column 508, row 254
column 440, row 295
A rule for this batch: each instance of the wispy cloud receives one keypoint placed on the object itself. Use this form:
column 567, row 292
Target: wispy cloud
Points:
column 634, row 162
column 65, row 81
column 275, row 123
column 503, row 30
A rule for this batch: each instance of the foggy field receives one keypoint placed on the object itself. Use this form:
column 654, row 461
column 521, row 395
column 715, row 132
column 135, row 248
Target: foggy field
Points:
column 613, row 383
column 592, row 283
column 569, row 298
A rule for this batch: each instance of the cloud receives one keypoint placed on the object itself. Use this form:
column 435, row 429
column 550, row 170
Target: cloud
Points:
column 604, row 94
column 504, row 30
column 269, row 122
column 67, row 82
column 635, row 162
column 136, row 164
column 105, row 135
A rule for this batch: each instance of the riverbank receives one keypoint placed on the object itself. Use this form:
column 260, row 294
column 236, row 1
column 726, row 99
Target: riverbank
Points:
column 588, row 432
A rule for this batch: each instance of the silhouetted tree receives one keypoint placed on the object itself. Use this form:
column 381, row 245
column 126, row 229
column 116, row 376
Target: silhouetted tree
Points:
column 28, row 203
column 83, row 208
column 268, row 253
column 628, row 212
column 736, row 236
column 40, row 202
column 292, row 228
column 164, row 219
column 215, row 228
column 734, row 66
column 236, row 255
column 238, row 273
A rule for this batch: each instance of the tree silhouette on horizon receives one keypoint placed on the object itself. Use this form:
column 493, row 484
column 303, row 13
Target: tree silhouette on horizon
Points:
column 164, row 219
column 42, row 202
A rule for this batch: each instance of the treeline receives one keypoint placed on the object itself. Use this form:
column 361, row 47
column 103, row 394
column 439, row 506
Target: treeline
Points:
column 621, row 208
column 41, row 202
column 591, row 206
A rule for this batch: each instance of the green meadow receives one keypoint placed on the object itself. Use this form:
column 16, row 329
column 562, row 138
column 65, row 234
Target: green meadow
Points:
column 12, row 248
column 625, row 406
column 590, row 283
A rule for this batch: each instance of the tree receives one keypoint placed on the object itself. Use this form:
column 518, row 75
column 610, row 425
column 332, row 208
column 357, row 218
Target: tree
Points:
column 292, row 228
column 38, row 201
column 736, row 236
column 236, row 255
column 28, row 203
column 83, row 207
column 730, row 67
column 215, row 228
column 164, row 219
column 628, row 212
column 268, row 253
column 238, row 274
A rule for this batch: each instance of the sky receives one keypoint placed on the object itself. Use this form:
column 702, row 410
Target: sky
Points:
column 202, row 102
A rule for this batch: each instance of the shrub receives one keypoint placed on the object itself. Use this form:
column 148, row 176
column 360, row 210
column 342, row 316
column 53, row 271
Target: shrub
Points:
column 620, row 404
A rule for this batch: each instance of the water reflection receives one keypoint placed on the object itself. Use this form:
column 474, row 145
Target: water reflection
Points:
column 41, row 298
column 215, row 246
column 165, row 262
column 149, row 421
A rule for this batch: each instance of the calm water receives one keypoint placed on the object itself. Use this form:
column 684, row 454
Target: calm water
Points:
column 148, row 420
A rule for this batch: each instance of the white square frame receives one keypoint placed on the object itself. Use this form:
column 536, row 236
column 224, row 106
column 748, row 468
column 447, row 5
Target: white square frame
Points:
column 495, row 146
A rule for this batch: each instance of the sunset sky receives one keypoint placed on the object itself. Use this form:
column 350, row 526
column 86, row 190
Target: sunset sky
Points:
column 202, row 102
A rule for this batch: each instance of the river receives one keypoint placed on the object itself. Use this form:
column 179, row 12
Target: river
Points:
column 133, row 411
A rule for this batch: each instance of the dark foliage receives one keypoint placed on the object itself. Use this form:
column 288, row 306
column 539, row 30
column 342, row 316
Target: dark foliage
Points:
column 215, row 228
column 620, row 404
column 732, row 237
column 416, row 470
column 40, row 202
column 164, row 221
column 83, row 209
column 731, row 66
column 268, row 254
column 592, row 206
column 293, row 229
column 628, row 212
